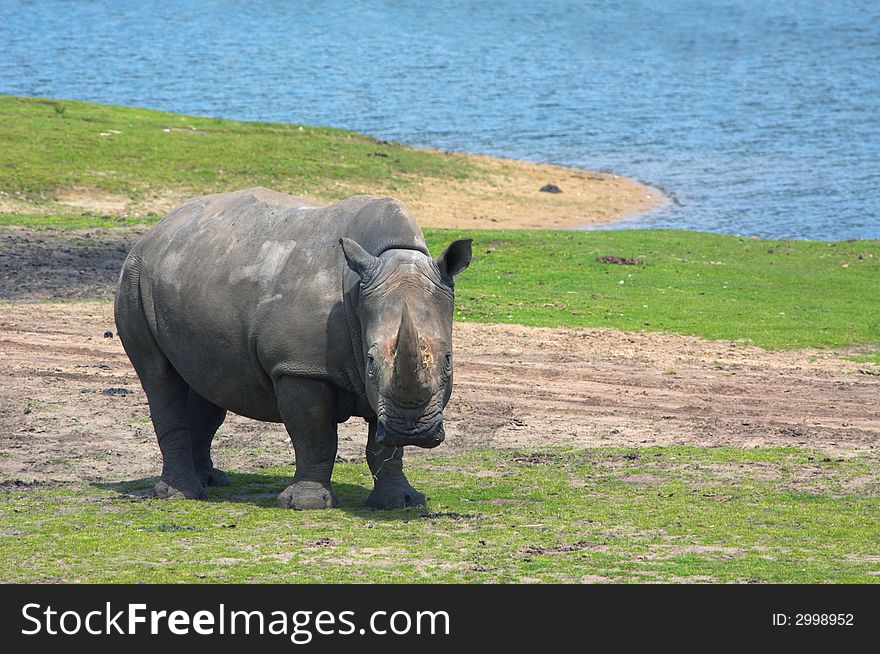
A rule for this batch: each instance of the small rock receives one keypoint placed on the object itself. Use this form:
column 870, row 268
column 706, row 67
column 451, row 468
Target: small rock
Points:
column 108, row 334
column 116, row 391
column 550, row 188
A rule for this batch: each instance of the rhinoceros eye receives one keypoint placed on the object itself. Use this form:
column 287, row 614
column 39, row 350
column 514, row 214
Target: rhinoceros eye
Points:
column 371, row 365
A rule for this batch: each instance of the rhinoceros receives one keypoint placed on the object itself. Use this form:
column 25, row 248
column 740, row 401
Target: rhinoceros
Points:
column 265, row 305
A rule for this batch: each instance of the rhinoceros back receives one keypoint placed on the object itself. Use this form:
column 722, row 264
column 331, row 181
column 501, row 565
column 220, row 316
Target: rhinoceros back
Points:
column 240, row 288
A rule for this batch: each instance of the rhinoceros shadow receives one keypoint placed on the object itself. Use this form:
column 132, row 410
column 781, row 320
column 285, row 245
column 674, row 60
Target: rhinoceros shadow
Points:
column 262, row 490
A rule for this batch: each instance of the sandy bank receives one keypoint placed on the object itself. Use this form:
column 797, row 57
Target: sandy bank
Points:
column 507, row 196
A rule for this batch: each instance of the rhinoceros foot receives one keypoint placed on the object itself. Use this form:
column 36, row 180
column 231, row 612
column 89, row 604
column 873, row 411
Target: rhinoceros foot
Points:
column 395, row 496
column 180, row 491
column 212, row 477
column 304, row 495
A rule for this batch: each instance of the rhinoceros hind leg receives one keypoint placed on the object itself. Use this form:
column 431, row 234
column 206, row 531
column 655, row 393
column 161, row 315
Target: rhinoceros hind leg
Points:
column 167, row 393
column 392, row 489
column 205, row 419
column 308, row 408
column 167, row 398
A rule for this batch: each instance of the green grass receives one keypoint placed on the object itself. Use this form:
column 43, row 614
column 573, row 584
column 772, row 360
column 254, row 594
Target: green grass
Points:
column 46, row 145
column 65, row 222
column 775, row 294
column 651, row 514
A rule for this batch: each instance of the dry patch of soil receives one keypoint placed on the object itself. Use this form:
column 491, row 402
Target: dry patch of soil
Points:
column 603, row 386
column 71, row 406
column 92, row 199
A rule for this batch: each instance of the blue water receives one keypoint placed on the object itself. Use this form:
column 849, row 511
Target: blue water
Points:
column 757, row 117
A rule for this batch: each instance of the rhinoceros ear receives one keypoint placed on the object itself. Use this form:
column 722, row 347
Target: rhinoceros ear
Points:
column 358, row 259
column 455, row 258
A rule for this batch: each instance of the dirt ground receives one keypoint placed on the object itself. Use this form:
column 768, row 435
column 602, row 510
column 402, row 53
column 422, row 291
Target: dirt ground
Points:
column 71, row 407
column 75, row 265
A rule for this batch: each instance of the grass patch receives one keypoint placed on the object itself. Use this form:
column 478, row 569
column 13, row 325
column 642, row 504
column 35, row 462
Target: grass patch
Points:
column 65, row 222
column 622, row 515
column 775, row 294
column 47, row 145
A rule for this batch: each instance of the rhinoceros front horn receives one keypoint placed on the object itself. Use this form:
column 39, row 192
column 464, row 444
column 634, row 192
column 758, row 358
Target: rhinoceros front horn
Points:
column 409, row 385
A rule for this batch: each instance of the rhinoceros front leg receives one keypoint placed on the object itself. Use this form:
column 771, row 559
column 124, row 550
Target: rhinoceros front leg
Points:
column 391, row 489
column 308, row 409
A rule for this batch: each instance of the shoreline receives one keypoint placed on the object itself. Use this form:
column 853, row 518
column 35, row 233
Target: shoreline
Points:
column 132, row 162
column 505, row 194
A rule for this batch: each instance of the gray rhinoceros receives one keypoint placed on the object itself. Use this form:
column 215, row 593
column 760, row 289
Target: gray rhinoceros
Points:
column 258, row 303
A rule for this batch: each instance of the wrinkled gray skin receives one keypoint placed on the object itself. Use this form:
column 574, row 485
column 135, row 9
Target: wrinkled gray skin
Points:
column 257, row 303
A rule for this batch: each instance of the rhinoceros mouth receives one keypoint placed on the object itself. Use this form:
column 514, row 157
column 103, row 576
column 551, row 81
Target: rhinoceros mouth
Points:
column 427, row 436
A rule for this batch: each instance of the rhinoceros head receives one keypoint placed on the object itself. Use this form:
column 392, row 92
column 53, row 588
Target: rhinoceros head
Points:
column 405, row 311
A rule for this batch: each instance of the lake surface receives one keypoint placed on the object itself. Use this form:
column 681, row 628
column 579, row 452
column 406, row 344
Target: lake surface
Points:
column 759, row 118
